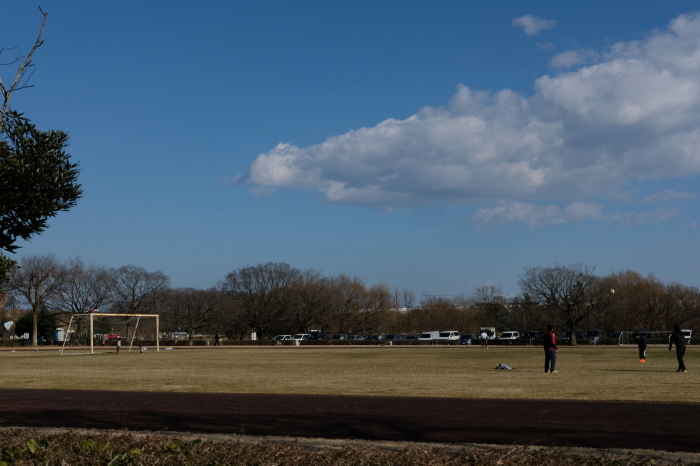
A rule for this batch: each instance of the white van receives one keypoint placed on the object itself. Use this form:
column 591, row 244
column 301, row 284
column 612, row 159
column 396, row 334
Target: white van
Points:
column 429, row 335
column 448, row 335
column 509, row 335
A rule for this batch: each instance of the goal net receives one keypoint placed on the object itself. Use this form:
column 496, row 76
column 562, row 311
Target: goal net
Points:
column 98, row 332
column 655, row 337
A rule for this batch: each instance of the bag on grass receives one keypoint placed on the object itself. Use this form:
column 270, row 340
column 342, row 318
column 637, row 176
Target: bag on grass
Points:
column 503, row 366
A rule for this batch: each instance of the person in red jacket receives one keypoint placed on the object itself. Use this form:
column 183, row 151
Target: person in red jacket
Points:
column 550, row 350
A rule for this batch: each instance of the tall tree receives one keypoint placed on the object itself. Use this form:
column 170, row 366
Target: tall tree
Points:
column 262, row 292
column 572, row 291
column 310, row 301
column 37, row 177
column 37, row 280
column 190, row 309
column 84, row 288
column 136, row 290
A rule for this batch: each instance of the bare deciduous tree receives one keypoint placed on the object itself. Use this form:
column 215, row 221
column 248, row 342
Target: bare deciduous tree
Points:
column 310, row 301
column 21, row 78
column 190, row 309
column 262, row 292
column 136, row 290
column 84, row 288
column 570, row 290
column 37, row 281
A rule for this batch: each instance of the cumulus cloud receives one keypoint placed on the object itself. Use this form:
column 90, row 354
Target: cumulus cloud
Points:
column 532, row 25
column 572, row 58
column 585, row 134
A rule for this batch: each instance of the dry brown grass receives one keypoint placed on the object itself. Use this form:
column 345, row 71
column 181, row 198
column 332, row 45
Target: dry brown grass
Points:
column 76, row 448
column 585, row 373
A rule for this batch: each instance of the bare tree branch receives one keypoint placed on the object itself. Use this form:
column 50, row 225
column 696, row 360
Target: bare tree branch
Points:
column 20, row 81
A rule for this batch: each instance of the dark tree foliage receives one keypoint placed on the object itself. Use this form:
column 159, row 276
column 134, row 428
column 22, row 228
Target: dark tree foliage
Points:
column 46, row 325
column 37, row 179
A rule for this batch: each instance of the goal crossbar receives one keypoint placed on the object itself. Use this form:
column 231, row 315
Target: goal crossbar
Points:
column 92, row 315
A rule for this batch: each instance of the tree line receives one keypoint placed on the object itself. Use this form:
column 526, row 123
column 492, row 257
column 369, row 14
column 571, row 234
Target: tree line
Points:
column 276, row 298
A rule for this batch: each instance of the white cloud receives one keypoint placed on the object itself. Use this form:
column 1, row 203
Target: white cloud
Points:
column 584, row 135
column 636, row 218
column 668, row 196
column 534, row 215
column 532, row 25
column 572, row 58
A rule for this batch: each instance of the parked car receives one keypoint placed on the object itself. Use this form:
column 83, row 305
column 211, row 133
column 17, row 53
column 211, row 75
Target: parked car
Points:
column 283, row 337
column 509, row 335
column 467, row 339
column 316, row 335
column 567, row 335
column 301, row 336
column 411, row 337
column 688, row 334
column 429, row 335
column 355, row 337
column 339, row 336
column 448, row 335
column 530, row 335
column 594, row 335
column 371, row 337
column 615, row 336
column 392, row 337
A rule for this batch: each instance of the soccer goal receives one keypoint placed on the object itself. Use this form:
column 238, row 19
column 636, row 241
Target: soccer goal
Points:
column 87, row 333
column 655, row 337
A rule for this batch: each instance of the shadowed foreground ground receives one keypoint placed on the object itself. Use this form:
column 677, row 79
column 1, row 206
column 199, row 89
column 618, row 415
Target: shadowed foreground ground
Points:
column 660, row 426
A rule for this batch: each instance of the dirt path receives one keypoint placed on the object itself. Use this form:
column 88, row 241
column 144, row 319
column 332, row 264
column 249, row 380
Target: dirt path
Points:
column 660, row 426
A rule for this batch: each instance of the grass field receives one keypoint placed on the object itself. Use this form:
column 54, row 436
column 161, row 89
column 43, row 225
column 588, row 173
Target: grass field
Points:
column 585, row 373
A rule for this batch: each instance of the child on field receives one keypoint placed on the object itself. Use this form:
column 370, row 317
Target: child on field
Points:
column 119, row 345
column 642, row 345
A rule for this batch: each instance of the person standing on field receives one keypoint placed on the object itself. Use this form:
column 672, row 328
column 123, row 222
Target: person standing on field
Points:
column 217, row 339
column 119, row 344
column 642, row 345
column 678, row 339
column 484, row 339
column 550, row 350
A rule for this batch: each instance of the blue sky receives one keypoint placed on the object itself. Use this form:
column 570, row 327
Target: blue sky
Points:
column 435, row 146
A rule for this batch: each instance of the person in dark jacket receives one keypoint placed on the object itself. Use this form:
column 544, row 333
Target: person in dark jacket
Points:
column 677, row 338
column 550, row 350
column 642, row 345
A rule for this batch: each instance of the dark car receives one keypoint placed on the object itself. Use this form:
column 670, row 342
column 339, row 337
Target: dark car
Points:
column 392, row 337
column 530, row 335
column 339, row 336
column 411, row 337
column 467, row 339
column 372, row 337
column 355, row 337
column 594, row 335
column 567, row 335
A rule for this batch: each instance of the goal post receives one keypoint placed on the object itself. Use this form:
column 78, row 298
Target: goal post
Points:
column 652, row 337
column 129, row 320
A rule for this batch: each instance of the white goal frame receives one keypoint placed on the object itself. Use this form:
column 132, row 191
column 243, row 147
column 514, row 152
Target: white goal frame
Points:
column 627, row 339
column 92, row 315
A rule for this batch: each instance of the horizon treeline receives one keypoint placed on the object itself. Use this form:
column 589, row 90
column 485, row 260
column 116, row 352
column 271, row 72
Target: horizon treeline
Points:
column 276, row 298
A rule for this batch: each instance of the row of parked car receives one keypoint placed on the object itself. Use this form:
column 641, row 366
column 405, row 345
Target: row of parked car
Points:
column 593, row 335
